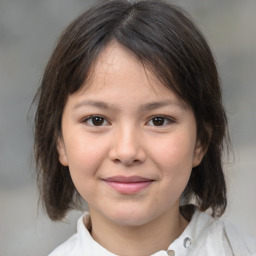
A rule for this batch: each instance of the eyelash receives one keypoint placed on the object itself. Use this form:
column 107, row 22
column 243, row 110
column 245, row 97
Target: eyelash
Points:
column 90, row 118
column 103, row 121
column 167, row 120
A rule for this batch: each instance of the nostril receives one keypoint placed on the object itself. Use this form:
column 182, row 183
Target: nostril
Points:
column 127, row 162
column 133, row 162
column 116, row 161
column 127, row 153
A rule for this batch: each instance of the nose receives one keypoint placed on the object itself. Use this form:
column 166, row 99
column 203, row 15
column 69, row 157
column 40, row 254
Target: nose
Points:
column 127, row 147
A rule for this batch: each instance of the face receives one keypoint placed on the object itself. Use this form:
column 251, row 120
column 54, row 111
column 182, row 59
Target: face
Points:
column 128, row 141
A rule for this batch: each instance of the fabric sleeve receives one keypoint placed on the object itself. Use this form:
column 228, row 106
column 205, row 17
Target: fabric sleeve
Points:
column 240, row 242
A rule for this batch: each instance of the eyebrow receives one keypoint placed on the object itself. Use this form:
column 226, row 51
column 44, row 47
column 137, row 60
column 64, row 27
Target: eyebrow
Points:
column 95, row 103
column 142, row 108
column 160, row 104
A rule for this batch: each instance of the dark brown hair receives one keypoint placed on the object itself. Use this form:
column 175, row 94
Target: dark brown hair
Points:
column 162, row 37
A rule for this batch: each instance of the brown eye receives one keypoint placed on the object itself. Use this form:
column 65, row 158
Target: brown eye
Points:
column 159, row 121
column 96, row 121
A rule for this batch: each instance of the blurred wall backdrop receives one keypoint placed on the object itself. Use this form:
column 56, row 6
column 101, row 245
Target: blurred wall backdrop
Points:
column 28, row 32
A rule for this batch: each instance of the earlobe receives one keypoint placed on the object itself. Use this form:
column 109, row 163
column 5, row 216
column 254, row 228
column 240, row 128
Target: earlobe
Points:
column 199, row 153
column 201, row 150
column 62, row 152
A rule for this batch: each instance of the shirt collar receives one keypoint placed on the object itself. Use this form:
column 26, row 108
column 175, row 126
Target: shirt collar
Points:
column 190, row 238
column 86, row 242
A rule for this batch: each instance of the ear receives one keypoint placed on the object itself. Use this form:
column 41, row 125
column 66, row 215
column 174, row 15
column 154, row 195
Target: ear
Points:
column 62, row 152
column 199, row 153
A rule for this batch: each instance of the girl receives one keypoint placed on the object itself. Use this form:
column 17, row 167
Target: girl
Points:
column 130, row 119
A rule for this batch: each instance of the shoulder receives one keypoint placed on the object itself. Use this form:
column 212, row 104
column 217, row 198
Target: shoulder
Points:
column 213, row 236
column 240, row 240
column 69, row 247
column 81, row 243
column 72, row 246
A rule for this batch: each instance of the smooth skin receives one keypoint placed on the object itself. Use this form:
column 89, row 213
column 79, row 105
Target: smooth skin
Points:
column 124, row 123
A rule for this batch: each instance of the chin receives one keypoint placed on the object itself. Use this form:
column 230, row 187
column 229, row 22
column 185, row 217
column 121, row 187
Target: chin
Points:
column 131, row 221
column 132, row 218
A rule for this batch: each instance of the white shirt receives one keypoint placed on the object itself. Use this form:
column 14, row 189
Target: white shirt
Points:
column 204, row 236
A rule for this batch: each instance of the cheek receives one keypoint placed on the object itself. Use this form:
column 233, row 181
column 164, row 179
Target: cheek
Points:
column 174, row 158
column 85, row 152
column 174, row 151
column 85, row 156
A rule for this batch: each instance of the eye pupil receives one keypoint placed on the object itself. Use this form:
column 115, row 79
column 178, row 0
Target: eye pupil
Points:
column 97, row 120
column 158, row 121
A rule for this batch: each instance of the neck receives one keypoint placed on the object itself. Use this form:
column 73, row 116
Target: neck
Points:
column 140, row 240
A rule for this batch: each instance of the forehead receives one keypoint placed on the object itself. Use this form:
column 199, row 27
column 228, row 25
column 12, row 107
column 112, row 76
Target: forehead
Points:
column 117, row 72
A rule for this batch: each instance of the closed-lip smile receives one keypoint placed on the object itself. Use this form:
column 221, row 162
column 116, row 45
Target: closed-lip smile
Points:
column 128, row 184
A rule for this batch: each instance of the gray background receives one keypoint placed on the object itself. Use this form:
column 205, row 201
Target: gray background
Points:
column 28, row 32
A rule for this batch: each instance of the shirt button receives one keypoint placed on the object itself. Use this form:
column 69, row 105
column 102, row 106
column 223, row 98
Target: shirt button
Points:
column 187, row 242
column 171, row 253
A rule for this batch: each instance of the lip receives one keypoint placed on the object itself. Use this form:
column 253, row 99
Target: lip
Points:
column 128, row 185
